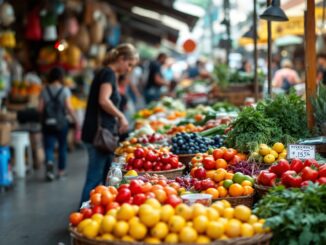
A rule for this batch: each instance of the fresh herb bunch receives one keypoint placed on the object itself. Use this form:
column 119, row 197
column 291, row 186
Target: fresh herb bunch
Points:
column 289, row 113
column 295, row 216
column 250, row 129
column 319, row 104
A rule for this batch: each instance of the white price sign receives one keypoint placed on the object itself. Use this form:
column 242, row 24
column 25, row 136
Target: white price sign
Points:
column 301, row 151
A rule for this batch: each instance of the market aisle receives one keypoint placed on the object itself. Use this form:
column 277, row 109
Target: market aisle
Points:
column 36, row 212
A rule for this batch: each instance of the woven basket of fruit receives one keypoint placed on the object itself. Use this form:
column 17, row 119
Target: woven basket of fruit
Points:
column 170, row 174
column 261, row 190
column 259, row 239
column 241, row 200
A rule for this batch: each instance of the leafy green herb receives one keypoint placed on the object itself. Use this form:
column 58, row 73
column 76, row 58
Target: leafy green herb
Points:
column 295, row 216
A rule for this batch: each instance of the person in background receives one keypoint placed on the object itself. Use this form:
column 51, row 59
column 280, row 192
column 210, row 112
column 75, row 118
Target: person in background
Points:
column 55, row 99
column 103, row 104
column 246, row 67
column 155, row 81
column 321, row 68
column 198, row 71
column 286, row 77
column 135, row 86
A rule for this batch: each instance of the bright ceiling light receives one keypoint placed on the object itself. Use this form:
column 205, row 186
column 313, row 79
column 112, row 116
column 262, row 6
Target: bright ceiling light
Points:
column 145, row 13
column 174, row 23
column 189, row 9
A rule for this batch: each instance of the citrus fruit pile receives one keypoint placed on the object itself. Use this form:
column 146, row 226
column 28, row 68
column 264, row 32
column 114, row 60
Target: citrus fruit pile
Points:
column 268, row 154
column 154, row 223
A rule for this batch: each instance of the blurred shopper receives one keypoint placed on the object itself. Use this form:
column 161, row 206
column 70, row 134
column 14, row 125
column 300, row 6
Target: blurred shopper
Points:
column 246, row 67
column 321, row 65
column 103, row 104
column 286, row 77
column 135, row 87
column 54, row 105
column 198, row 71
column 155, row 81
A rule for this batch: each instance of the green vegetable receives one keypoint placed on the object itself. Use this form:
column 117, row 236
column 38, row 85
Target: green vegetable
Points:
column 319, row 104
column 295, row 216
column 250, row 129
column 219, row 130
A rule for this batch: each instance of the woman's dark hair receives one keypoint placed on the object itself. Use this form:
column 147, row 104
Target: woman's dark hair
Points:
column 56, row 74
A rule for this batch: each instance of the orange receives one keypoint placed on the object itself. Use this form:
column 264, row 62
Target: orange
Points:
column 220, row 175
column 160, row 195
column 106, row 198
column 221, row 163
column 170, row 190
column 210, row 174
column 96, row 199
column 100, row 189
column 242, row 212
column 229, row 175
column 242, row 156
column 214, row 192
column 222, row 191
column 156, row 187
column 233, row 228
column 246, row 183
column 75, row 218
column 113, row 190
column 248, row 190
column 236, row 190
column 126, row 212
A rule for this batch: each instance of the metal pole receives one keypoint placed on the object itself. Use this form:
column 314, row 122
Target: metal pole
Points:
column 269, row 54
column 255, row 52
column 228, row 29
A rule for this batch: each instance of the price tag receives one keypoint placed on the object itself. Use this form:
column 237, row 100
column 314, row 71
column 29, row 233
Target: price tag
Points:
column 301, row 151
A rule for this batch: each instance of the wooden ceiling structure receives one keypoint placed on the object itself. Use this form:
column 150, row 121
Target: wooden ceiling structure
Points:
column 146, row 29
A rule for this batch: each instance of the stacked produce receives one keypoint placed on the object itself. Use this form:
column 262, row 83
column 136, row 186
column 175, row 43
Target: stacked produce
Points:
column 153, row 223
column 268, row 154
column 293, row 174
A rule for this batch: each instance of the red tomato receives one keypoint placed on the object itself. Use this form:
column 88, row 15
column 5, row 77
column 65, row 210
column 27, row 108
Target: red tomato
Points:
column 87, row 212
column 209, row 163
column 123, row 195
column 311, row 162
column 173, row 200
column 112, row 205
column 151, row 156
column 321, row 181
column 148, row 165
column 135, row 187
column 167, row 166
column 235, row 160
column 146, row 187
column 98, row 210
column 296, row 165
column 229, row 154
column 106, row 198
column 150, row 195
column 322, row 171
column 266, row 178
column 291, row 179
column 174, row 161
column 123, row 186
column 162, row 182
column 139, row 199
column 75, row 218
column 217, row 153
column 139, row 153
column 309, row 174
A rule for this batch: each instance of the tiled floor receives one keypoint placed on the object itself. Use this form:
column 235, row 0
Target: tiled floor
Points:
column 36, row 212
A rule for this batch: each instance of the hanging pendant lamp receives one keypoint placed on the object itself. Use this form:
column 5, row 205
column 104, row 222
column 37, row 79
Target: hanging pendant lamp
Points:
column 274, row 12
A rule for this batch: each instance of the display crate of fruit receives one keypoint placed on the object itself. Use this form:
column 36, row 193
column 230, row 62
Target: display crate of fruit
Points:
column 240, row 200
column 170, row 174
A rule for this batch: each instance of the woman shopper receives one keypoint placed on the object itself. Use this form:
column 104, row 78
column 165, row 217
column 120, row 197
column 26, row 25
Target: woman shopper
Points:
column 54, row 105
column 103, row 104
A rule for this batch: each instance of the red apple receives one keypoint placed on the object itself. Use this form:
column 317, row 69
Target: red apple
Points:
column 151, row 156
column 148, row 165
column 138, row 163
column 167, row 166
column 207, row 183
column 139, row 153
column 174, row 161
column 200, row 173
column 209, row 163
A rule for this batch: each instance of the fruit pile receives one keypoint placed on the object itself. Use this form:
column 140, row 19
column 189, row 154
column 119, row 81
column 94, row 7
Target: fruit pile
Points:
column 149, row 159
column 153, row 223
column 188, row 128
column 221, row 183
column 146, row 139
column 191, row 143
column 268, row 154
column 293, row 174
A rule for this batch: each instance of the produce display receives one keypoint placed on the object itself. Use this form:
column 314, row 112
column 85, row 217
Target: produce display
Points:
column 294, row 174
column 154, row 223
column 227, row 155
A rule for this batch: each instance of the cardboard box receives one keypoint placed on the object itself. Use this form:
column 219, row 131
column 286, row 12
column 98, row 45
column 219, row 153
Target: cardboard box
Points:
column 5, row 134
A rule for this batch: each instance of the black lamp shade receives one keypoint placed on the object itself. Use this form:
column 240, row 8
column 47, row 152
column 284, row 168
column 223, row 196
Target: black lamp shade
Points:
column 274, row 12
column 250, row 33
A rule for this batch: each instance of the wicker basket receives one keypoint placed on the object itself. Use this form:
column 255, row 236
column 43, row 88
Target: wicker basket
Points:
column 170, row 174
column 259, row 239
column 242, row 200
column 261, row 190
column 186, row 160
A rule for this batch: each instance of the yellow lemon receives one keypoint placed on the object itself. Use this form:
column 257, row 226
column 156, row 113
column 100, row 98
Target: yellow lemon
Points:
column 126, row 212
column 214, row 230
column 107, row 237
column 83, row 224
column 121, row 229
column 127, row 239
column 218, row 206
column 176, row 223
column 188, row 235
column 242, row 213
column 184, row 211
column 252, row 219
column 247, row 230
column 108, row 224
column 228, row 213
column 264, row 150
column 134, row 220
column 198, row 209
column 258, row 227
column 98, row 218
column 200, row 223
column 112, row 212
column 278, row 147
column 154, row 203
column 226, row 203
column 167, row 211
column 203, row 240
column 233, row 228
column 91, row 230
column 131, row 173
column 171, row 238
column 138, row 231
column 269, row 159
column 152, row 240
column 160, row 230
column 282, row 155
column 212, row 214
column 274, row 153
column 150, row 218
